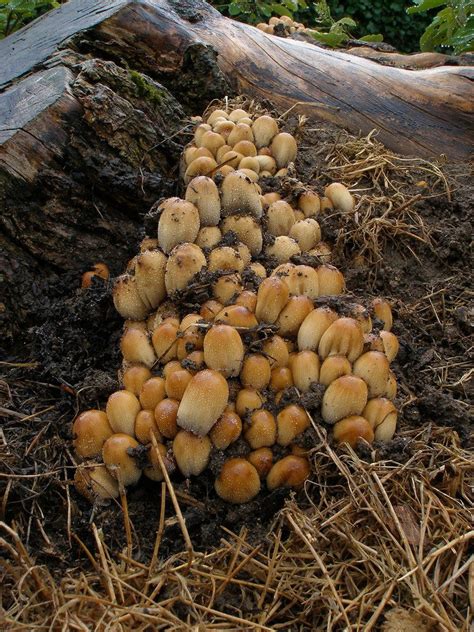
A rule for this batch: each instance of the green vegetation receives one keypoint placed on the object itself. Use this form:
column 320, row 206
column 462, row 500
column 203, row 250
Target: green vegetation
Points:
column 146, row 89
column 16, row 13
column 336, row 21
column 388, row 17
column 452, row 27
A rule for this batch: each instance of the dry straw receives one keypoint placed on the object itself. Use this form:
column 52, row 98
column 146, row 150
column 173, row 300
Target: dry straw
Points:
column 391, row 190
column 371, row 545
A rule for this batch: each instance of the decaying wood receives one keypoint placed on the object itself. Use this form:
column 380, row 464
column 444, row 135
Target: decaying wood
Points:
column 85, row 150
column 417, row 61
column 425, row 112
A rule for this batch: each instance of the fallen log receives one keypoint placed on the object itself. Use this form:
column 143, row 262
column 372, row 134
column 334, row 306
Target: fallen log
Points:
column 426, row 112
column 84, row 153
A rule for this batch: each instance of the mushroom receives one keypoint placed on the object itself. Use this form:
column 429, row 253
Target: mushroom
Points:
column 136, row 347
column 236, row 316
column 283, row 248
column 240, row 195
column 127, row 299
column 191, row 453
column 238, row 481
column 248, row 399
column 344, row 337
column 291, row 471
column 284, row 149
column 90, row 431
column 292, row 421
column 226, row 430
column 184, row 262
column 144, row 425
column 340, row 197
column 203, row 402
column 262, row 460
column 95, row 483
column 307, row 233
column 280, row 218
column 272, row 296
column 276, row 351
column 331, row 281
column 152, row 392
column 166, row 415
column 176, row 383
column 261, row 429
column 134, row 377
column 117, row 459
column 293, row 314
column 345, row 396
column 310, row 203
column 334, row 367
column 247, row 230
column 256, row 372
column 305, row 367
column 202, row 166
column 264, row 129
column 281, row 378
column 382, row 417
column 351, row 429
column 179, row 223
column 227, row 288
column 224, row 350
column 383, row 312
column 314, row 326
column 202, row 192
column 373, row 368
column 122, row 408
column 165, row 341
column 208, row 237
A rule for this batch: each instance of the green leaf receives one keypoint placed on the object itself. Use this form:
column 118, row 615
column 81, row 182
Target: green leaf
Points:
column 234, row 8
column 331, row 39
column 347, row 22
column 279, row 10
column 292, row 5
column 266, row 10
column 372, row 38
column 463, row 43
column 425, row 5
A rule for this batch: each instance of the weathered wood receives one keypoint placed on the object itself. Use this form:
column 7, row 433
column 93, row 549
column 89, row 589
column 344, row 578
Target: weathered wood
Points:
column 31, row 132
column 428, row 112
column 416, row 61
column 85, row 150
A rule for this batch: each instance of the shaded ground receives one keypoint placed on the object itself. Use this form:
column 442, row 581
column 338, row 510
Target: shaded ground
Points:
column 417, row 255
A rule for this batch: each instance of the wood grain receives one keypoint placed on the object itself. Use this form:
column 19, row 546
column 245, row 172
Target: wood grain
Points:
column 423, row 112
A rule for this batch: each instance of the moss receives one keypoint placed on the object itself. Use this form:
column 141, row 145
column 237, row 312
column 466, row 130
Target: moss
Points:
column 146, row 89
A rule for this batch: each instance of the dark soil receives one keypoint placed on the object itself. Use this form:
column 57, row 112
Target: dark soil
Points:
column 68, row 361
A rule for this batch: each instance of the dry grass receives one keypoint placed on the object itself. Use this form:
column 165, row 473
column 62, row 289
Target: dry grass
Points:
column 389, row 191
column 368, row 537
column 436, row 314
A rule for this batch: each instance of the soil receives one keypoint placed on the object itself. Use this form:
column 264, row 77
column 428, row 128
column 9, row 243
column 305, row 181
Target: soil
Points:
column 67, row 360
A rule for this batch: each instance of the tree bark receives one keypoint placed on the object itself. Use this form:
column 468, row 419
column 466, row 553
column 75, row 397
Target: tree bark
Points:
column 85, row 150
column 428, row 112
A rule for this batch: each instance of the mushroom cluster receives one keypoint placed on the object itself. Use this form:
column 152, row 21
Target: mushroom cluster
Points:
column 283, row 26
column 236, row 329
column 238, row 140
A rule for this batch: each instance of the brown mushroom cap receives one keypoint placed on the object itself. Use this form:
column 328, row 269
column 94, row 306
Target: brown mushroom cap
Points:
column 238, row 481
column 90, row 429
